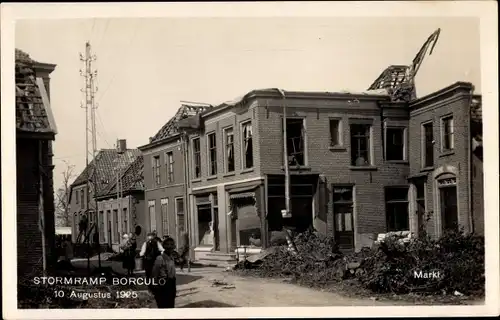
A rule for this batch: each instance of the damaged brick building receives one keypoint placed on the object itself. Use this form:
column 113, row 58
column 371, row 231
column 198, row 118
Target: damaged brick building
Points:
column 35, row 133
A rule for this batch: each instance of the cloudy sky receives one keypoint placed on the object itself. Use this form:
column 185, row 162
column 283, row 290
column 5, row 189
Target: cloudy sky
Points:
column 146, row 66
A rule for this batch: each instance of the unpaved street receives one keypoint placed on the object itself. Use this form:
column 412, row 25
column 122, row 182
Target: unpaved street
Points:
column 197, row 290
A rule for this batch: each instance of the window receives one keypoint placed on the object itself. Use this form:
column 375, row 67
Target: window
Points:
column 360, row 144
column 420, row 204
column 247, row 145
column 295, row 142
column 396, row 207
column 76, row 196
column 152, row 215
column 335, row 133
column 170, row 167
column 428, row 147
column 164, row 216
column 125, row 226
column 116, row 234
column 101, row 226
column 212, row 154
column 395, row 144
column 179, row 206
column 156, row 170
column 82, row 199
column 229, row 153
column 447, row 134
column 197, row 157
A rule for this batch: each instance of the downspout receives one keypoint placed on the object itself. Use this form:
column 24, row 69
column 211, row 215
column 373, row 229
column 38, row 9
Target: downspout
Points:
column 285, row 155
column 469, row 159
column 187, row 207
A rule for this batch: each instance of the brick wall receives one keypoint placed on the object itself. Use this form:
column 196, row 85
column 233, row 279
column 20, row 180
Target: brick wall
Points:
column 29, row 240
column 453, row 101
column 166, row 190
column 334, row 164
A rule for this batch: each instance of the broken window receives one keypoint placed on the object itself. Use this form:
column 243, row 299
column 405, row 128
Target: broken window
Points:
column 247, row 145
column 447, row 125
column 360, row 145
column 335, row 133
column 212, row 154
column 229, row 157
column 295, row 142
column 197, row 157
column 428, row 146
column 396, row 207
column 170, row 167
column 395, row 144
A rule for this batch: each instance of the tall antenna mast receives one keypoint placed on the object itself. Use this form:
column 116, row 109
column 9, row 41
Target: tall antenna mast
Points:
column 91, row 136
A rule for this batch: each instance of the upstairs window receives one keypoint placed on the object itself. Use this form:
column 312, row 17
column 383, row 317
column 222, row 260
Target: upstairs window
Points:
column 447, row 134
column 212, row 154
column 82, row 198
column 76, row 197
column 395, row 144
column 196, row 157
column 295, row 133
column 156, row 170
column 335, row 133
column 360, row 144
column 428, row 145
column 247, row 143
column 170, row 167
column 229, row 154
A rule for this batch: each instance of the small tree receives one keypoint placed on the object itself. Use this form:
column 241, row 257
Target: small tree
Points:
column 63, row 217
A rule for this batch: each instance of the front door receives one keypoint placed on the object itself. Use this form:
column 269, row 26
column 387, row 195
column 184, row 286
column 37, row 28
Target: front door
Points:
column 344, row 233
column 343, row 214
column 449, row 212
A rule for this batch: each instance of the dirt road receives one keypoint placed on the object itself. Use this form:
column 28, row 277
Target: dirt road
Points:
column 197, row 290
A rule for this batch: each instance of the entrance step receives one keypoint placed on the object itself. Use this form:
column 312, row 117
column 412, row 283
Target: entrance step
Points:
column 220, row 256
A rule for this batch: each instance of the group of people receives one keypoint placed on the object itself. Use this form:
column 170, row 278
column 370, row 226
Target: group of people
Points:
column 159, row 260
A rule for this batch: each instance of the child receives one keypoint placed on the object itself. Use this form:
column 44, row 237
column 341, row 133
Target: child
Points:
column 164, row 274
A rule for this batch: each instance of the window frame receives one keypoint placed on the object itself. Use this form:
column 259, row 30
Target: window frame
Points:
column 196, row 161
column 169, row 163
column 404, row 140
column 424, row 153
column 82, row 198
column 77, row 195
column 444, row 135
column 212, row 163
column 304, row 141
column 396, row 201
column 369, row 136
column 156, row 170
column 164, row 216
column 340, row 139
column 152, row 204
column 229, row 131
column 244, row 140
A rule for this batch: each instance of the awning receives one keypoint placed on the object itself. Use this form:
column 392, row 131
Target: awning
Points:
column 243, row 187
column 242, row 195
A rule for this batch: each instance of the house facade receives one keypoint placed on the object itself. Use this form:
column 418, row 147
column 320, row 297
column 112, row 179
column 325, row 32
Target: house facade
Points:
column 35, row 132
column 446, row 175
column 99, row 177
column 352, row 162
column 164, row 178
column 121, row 207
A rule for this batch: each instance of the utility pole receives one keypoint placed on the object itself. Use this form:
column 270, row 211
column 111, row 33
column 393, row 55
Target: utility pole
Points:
column 91, row 135
column 119, row 189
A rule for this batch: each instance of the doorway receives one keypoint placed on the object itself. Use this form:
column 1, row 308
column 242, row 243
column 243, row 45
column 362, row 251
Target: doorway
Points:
column 343, row 213
column 449, row 210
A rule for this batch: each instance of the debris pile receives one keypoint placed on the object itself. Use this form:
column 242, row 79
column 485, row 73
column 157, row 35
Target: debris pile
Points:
column 397, row 264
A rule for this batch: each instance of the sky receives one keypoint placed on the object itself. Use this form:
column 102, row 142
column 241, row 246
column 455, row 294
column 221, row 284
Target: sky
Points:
column 147, row 66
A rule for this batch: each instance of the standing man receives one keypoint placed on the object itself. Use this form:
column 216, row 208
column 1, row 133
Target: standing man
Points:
column 164, row 274
column 150, row 250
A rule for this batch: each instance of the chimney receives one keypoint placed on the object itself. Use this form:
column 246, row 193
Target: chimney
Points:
column 121, row 146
